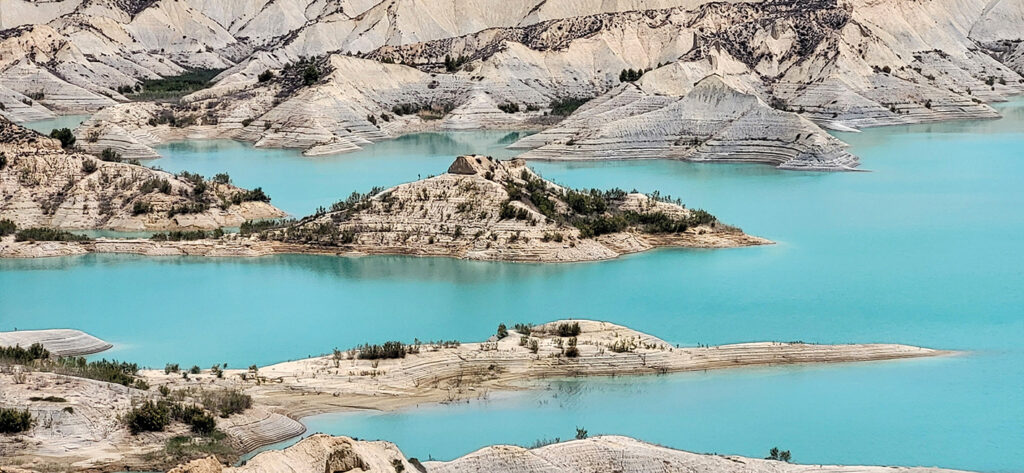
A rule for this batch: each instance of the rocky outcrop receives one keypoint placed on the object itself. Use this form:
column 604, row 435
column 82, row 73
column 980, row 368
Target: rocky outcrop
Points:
column 712, row 122
column 42, row 185
column 59, row 342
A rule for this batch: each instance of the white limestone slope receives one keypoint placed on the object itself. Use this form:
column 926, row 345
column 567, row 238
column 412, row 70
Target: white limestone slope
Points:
column 712, row 122
column 59, row 342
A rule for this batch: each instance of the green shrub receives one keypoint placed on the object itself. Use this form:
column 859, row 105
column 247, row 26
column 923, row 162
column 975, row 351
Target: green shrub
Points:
column 502, row 331
column 171, row 368
column 571, row 351
column 310, row 75
column 7, row 227
column 88, row 166
column 566, row 329
column 13, row 421
column 140, row 207
column 19, row 355
column 47, row 399
column 148, row 417
column 255, row 195
column 265, row 75
column 47, row 234
column 565, row 106
column 509, row 107
column 226, row 402
column 109, row 371
column 390, row 349
column 779, row 455
column 66, row 137
column 110, row 155
column 630, row 75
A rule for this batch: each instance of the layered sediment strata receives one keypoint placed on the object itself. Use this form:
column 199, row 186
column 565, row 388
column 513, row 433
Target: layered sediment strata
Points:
column 321, row 452
column 43, row 185
column 842, row 65
column 713, row 122
column 59, row 342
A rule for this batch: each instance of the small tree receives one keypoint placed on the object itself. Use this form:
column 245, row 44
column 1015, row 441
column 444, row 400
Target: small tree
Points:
column 779, row 455
column 502, row 331
column 581, row 433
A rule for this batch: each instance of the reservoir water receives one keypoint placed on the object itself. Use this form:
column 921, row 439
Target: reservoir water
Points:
column 924, row 249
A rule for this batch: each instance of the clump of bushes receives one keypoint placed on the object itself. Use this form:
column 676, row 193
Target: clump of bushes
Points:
column 565, row 106
column 88, row 166
column 149, row 417
column 66, row 137
column 779, row 455
column 47, row 234
column 566, row 329
column 21, row 356
column 509, row 107
column 255, row 195
column 502, row 331
column 570, row 350
column 13, row 421
column 390, row 349
column 226, row 402
column 110, row 155
column 265, row 76
column 112, row 371
column 630, row 75
column 7, row 227
column 187, row 235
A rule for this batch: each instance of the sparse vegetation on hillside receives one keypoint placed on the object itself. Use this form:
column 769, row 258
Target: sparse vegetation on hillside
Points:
column 565, row 106
column 174, row 87
column 7, row 227
column 47, row 234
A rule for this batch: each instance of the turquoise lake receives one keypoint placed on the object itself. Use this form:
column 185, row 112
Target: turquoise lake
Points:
column 924, row 249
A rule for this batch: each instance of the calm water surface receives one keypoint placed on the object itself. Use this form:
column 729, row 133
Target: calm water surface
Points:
column 925, row 249
column 65, row 121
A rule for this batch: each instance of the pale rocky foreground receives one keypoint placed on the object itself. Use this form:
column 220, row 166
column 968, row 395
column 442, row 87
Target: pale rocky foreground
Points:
column 609, row 453
column 89, row 436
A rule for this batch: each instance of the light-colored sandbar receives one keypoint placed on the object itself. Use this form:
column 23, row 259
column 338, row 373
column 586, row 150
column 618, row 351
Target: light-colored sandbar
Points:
column 59, row 342
column 607, row 453
column 471, row 370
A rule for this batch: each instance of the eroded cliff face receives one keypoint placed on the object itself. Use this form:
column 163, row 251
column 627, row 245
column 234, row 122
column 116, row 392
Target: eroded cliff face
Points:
column 42, row 185
column 388, row 68
column 713, row 122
